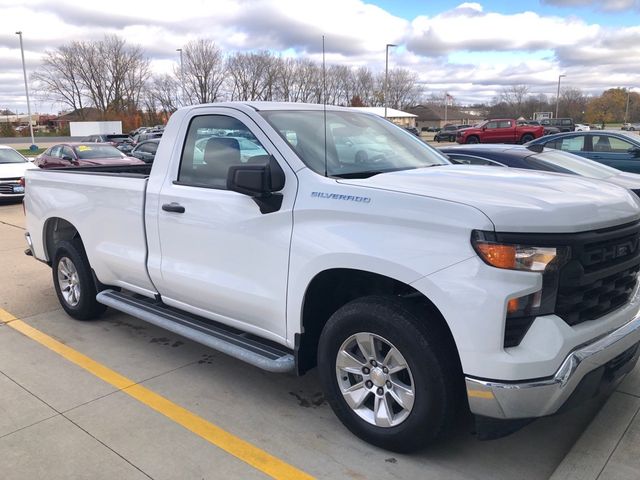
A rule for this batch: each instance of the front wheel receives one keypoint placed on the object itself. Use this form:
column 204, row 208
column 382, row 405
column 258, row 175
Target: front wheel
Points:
column 73, row 281
column 473, row 139
column 388, row 374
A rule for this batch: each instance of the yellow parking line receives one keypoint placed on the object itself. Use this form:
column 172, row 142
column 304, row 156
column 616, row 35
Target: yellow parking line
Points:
column 254, row 456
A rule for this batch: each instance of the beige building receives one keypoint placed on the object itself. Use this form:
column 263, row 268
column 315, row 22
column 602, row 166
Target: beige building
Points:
column 436, row 116
column 403, row 119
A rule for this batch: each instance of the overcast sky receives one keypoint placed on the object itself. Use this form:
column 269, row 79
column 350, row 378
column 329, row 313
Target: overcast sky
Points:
column 470, row 49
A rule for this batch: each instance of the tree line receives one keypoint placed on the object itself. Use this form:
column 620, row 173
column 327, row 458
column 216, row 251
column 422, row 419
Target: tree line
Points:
column 115, row 78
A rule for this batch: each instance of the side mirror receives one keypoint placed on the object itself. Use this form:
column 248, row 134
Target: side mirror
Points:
column 259, row 181
column 635, row 151
column 484, row 128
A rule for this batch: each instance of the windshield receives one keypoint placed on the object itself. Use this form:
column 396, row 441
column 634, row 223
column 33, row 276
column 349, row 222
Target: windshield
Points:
column 9, row 155
column 565, row 162
column 86, row 152
column 357, row 144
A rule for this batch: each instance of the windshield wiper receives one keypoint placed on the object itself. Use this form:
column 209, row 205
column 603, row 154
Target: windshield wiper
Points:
column 371, row 173
column 362, row 174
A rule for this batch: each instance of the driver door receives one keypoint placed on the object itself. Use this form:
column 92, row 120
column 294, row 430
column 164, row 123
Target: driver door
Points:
column 217, row 255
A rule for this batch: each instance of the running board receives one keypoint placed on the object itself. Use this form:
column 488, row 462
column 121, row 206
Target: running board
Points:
column 237, row 344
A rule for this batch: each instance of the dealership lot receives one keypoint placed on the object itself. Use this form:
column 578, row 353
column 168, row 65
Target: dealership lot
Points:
column 66, row 416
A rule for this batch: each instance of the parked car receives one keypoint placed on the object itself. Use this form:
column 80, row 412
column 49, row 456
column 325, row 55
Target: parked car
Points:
column 448, row 133
column 12, row 168
column 146, row 151
column 413, row 130
column 581, row 127
column 536, row 157
column 499, row 130
column 631, row 127
column 419, row 289
column 616, row 149
column 142, row 137
column 122, row 142
column 548, row 130
column 82, row 155
column 564, row 124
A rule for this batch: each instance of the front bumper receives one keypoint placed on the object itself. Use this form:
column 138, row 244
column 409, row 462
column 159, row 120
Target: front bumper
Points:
column 616, row 351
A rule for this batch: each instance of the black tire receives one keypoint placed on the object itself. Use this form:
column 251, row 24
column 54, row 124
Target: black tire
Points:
column 527, row 137
column 472, row 139
column 86, row 307
column 433, row 371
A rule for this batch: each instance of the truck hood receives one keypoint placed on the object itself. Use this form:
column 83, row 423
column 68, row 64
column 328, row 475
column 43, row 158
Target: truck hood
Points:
column 14, row 170
column 518, row 200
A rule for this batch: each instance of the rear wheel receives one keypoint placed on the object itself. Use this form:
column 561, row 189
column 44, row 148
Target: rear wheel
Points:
column 527, row 137
column 388, row 374
column 73, row 281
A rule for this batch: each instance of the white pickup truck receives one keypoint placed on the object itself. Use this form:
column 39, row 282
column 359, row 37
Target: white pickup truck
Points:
column 291, row 237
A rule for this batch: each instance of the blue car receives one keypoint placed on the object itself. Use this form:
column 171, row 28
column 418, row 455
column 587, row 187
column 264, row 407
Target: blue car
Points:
column 537, row 157
column 618, row 150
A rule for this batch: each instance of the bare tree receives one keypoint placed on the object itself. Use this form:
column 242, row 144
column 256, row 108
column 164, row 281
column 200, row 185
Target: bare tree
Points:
column 513, row 98
column 253, row 75
column 108, row 74
column 402, row 90
column 204, row 71
column 57, row 79
column 161, row 94
column 573, row 103
column 363, row 85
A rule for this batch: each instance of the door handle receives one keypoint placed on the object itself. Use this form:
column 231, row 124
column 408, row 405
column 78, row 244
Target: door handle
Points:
column 173, row 207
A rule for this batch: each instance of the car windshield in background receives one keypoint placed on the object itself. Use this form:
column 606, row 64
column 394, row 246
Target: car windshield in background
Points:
column 357, row 144
column 564, row 162
column 8, row 155
column 87, row 152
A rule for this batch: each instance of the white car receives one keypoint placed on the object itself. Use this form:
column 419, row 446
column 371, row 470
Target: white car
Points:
column 12, row 168
column 580, row 127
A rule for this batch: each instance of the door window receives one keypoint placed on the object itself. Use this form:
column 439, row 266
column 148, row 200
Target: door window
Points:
column 67, row 152
column 492, row 125
column 213, row 144
column 571, row 144
column 55, row 151
column 604, row 143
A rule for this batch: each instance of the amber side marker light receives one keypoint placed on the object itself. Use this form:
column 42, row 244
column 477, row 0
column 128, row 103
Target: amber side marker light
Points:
column 501, row 256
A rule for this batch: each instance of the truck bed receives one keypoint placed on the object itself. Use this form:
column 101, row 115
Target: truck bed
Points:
column 105, row 204
column 135, row 171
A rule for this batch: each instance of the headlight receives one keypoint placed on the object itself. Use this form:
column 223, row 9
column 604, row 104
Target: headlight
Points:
column 546, row 260
column 516, row 257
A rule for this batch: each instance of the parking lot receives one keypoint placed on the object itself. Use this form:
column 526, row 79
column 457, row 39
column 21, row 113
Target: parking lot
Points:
column 117, row 398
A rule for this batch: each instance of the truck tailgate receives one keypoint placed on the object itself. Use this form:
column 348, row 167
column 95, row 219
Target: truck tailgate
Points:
column 107, row 210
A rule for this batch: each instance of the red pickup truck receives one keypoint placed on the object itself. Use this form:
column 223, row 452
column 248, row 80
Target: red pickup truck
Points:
column 499, row 131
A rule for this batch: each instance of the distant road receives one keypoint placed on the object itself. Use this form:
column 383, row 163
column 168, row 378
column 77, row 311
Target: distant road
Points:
column 43, row 142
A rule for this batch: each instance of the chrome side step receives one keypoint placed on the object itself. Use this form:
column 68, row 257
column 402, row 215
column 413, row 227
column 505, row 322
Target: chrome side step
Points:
column 262, row 354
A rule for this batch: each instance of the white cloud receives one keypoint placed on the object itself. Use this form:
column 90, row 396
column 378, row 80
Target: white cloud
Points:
column 592, row 56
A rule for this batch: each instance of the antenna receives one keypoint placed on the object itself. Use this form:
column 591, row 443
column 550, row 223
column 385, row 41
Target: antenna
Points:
column 324, row 106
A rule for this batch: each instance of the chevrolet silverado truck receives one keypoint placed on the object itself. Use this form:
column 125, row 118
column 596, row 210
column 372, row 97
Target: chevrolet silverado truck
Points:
column 419, row 289
column 500, row 131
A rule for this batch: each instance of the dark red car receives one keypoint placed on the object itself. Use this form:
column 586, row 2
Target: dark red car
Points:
column 83, row 155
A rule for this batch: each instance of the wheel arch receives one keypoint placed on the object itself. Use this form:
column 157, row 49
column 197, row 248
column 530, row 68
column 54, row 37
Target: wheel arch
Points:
column 56, row 229
column 333, row 288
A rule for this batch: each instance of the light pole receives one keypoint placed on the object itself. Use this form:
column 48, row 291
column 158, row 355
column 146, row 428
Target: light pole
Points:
column 26, row 89
column 181, row 77
column 626, row 110
column 558, row 94
column 386, row 76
